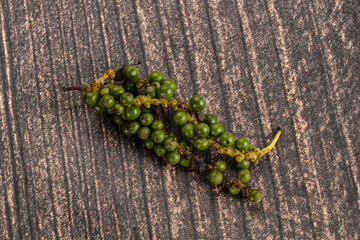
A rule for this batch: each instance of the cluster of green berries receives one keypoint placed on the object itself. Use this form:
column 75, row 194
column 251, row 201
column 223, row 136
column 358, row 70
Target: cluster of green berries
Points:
column 118, row 100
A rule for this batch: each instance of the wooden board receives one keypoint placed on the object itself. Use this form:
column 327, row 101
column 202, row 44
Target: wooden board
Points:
column 67, row 172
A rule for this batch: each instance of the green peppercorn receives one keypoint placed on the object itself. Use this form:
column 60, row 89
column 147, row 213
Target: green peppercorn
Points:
column 174, row 135
column 130, row 73
column 188, row 130
column 144, row 133
column 159, row 150
column 234, row 190
column 118, row 120
column 104, row 90
column 146, row 119
column 132, row 113
column 210, row 119
column 126, row 129
column 255, row 196
column 202, row 130
column 215, row 177
column 173, row 157
column 170, row 144
column 169, row 82
column 99, row 109
column 226, row 139
column 165, row 92
column 118, row 108
column 184, row 162
column 201, row 144
column 107, row 101
column 119, row 76
column 133, row 127
column 220, row 165
column 156, row 76
column 157, row 124
column 129, row 87
column 126, row 98
column 158, row 136
column 91, row 98
column 197, row 103
column 216, row 129
column 110, row 111
column 242, row 144
column 180, row 118
column 149, row 144
column 117, row 91
column 244, row 164
column 156, row 84
column 244, row 175
column 151, row 91
column 187, row 145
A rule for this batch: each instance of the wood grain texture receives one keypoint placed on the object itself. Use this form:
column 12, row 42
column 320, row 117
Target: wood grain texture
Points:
column 68, row 173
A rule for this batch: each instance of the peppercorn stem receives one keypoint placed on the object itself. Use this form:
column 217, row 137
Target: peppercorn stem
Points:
column 272, row 144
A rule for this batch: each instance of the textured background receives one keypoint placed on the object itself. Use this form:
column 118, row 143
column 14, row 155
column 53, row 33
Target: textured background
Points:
column 66, row 172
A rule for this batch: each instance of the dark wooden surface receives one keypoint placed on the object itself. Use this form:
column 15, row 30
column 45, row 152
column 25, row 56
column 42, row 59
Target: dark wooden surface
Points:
column 66, row 172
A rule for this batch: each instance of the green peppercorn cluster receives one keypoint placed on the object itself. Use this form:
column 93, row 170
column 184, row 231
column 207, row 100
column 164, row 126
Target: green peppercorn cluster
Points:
column 130, row 100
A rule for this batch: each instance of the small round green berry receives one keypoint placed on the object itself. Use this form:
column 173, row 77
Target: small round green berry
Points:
column 117, row 91
column 244, row 164
column 129, row 87
column 158, row 136
column 132, row 113
column 104, row 90
column 165, row 92
column 118, row 108
column 156, row 76
column 173, row 157
column 107, row 101
column 159, row 150
column 180, row 118
column 188, row 130
column 130, row 73
column 201, row 144
column 220, row 165
column 151, row 91
column 134, row 127
column 99, row 109
column 215, row 177
column 156, row 84
column 197, row 103
column 184, row 162
column 226, row 139
column 110, row 111
column 146, row 119
column 169, row 82
column 130, row 128
column 187, row 145
column 91, row 98
column 118, row 120
column 126, row 98
column 118, row 76
column 170, row 144
column 157, row 124
column 255, row 196
column 149, row 144
column 144, row 133
column 216, row 129
column 174, row 135
column 234, row 190
column 210, row 119
column 202, row 130
column 244, row 175
column 242, row 144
